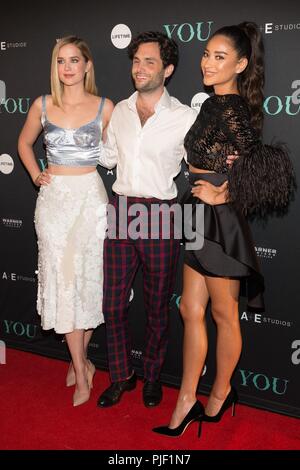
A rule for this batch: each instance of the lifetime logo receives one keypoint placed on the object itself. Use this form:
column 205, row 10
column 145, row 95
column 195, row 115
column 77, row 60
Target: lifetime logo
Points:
column 6, row 164
column 121, row 36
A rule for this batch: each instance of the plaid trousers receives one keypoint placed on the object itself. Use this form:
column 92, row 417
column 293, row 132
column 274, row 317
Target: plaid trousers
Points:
column 122, row 257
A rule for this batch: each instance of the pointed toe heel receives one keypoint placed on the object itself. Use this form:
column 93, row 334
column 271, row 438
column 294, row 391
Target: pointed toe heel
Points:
column 80, row 397
column 195, row 414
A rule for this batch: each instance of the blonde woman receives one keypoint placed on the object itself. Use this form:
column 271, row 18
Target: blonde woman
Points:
column 70, row 215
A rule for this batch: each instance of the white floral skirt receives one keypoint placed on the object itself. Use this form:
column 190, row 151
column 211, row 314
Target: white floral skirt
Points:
column 70, row 222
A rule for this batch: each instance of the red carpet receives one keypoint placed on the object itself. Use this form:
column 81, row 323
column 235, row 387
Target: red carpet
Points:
column 36, row 412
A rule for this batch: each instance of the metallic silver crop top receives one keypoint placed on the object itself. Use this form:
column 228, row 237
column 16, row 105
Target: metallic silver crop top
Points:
column 72, row 147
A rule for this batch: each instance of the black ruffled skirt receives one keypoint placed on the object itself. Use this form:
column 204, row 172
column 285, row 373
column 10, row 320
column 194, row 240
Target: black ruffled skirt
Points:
column 228, row 249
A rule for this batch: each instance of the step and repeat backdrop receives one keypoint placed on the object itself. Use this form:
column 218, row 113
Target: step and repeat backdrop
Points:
column 267, row 375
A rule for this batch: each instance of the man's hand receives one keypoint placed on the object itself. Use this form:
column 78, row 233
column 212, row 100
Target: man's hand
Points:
column 231, row 158
column 209, row 193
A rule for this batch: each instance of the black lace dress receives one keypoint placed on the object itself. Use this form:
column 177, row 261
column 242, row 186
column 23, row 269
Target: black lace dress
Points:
column 221, row 128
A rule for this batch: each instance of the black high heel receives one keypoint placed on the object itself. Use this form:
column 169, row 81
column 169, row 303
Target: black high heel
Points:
column 230, row 400
column 195, row 414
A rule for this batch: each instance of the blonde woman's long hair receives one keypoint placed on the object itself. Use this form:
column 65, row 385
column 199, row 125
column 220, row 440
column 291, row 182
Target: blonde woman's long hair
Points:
column 89, row 79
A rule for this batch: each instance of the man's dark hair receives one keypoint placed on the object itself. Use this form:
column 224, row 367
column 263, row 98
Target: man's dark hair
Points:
column 168, row 48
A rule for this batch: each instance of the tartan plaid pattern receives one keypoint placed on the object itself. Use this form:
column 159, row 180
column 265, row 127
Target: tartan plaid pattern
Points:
column 122, row 257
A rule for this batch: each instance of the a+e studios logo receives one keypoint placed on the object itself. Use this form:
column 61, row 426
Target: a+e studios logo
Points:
column 260, row 319
column 4, row 45
column 269, row 28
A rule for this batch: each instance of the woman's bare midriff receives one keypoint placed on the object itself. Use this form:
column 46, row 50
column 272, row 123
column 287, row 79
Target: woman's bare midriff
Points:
column 70, row 170
column 193, row 169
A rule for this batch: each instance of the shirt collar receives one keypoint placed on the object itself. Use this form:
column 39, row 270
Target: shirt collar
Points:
column 163, row 102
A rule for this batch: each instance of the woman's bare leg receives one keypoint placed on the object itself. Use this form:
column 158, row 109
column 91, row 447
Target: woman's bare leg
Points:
column 86, row 339
column 192, row 308
column 224, row 294
column 75, row 341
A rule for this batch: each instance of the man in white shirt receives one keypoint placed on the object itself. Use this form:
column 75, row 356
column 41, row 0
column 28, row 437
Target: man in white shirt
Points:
column 145, row 140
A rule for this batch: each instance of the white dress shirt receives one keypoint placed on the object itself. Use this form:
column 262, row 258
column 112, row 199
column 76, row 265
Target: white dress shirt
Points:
column 148, row 158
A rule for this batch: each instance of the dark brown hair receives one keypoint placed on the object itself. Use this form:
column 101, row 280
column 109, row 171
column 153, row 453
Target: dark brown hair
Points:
column 168, row 48
column 247, row 41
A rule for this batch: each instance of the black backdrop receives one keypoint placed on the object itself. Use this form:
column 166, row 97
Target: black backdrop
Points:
column 268, row 372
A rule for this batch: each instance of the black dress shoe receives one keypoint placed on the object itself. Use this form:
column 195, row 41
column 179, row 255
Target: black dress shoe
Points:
column 112, row 395
column 152, row 393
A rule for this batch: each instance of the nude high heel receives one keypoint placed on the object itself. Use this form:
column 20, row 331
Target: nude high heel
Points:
column 81, row 397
